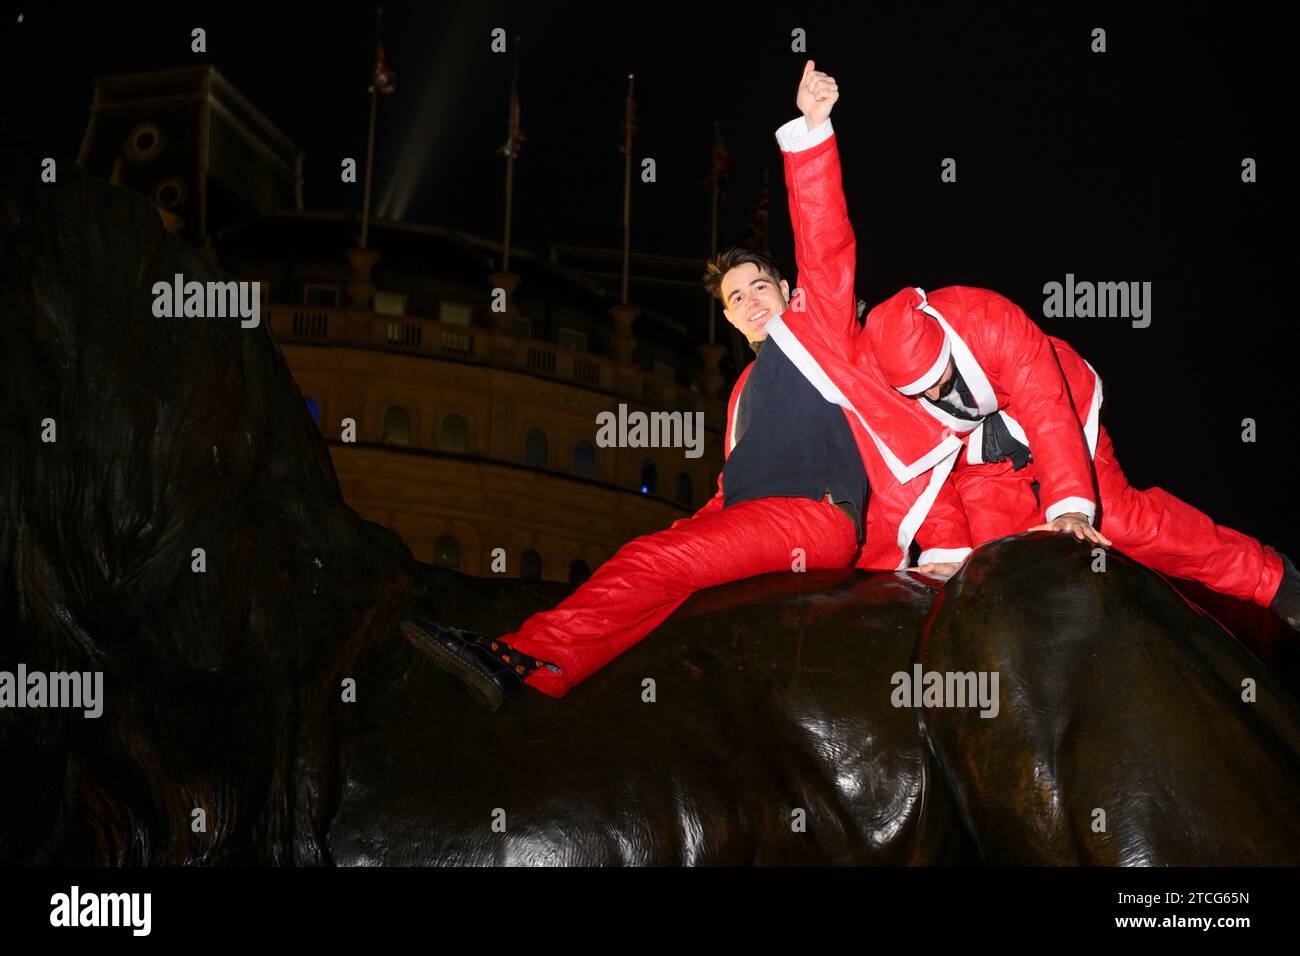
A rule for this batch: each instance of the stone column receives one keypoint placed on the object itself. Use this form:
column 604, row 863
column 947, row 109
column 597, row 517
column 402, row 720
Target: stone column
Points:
column 361, row 289
column 711, row 378
column 623, row 343
column 627, row 378
column 503, row 323
column 507, row 281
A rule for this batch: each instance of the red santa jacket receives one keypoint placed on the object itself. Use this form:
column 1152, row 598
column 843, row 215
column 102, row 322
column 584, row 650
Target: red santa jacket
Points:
column 1048, row 396
column 906, row 453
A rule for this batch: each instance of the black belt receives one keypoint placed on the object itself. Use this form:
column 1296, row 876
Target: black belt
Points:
column 844, row 506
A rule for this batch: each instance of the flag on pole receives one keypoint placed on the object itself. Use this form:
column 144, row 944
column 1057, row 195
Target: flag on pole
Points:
column 383, row 79
column 721, row 164
column 514, row 134
column 756, row 235
column 628, row 128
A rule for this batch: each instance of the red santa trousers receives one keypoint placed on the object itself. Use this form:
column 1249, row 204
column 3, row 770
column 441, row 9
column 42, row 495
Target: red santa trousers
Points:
column 651, row 576
column 1152, row 526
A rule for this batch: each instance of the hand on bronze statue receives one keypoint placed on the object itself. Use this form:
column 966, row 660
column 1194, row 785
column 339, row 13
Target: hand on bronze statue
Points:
column 937, row 569
column 1077, row 524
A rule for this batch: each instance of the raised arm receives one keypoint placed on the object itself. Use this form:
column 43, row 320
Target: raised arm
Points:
column 824, row 246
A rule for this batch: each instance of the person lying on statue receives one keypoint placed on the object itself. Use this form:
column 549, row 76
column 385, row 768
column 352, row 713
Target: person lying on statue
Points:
column 974, row 360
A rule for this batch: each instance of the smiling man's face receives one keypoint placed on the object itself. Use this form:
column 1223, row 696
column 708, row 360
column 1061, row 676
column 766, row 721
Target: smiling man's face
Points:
column 751, row 299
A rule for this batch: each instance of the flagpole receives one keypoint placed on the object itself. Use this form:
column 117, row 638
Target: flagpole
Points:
column 713, row 220
column 510, row 198
column 627, row 182
column 511, row 147
column 370, row 139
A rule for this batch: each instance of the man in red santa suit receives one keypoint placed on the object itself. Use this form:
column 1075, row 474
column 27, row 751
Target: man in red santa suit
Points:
column 1037, row 456
column 802, row 464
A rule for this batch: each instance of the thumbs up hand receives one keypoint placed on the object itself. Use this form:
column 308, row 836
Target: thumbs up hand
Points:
column 817, row 95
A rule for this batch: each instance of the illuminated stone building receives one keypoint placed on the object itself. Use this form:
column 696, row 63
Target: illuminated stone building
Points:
column 475, row 427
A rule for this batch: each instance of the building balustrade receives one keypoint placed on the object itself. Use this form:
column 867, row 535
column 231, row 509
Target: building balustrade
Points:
column 404, row 333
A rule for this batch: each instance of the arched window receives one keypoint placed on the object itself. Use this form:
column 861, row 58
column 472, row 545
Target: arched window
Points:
column 685, row 490
column 584, row 459
column 446, row 552
column 578, row 571
column 536, row 448
column 397, row 426
column 530, row 565
column 453, row 435
column 649, row 478
column 313, row 406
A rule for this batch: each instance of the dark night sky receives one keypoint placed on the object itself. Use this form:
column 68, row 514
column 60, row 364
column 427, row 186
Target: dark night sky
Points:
column 1123, row 166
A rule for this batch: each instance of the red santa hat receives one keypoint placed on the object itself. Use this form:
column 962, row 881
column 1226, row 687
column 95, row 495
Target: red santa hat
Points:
column 910, row 346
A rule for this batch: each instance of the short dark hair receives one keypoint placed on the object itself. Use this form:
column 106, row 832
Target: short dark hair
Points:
column 724, row 262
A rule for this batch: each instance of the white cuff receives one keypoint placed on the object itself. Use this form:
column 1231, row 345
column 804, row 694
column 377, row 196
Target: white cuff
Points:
column 1066, row 505
column 795, row 135
column 954, row 555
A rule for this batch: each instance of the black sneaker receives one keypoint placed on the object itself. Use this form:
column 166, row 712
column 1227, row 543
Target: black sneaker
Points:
column 491, row 670
column 1286, row 603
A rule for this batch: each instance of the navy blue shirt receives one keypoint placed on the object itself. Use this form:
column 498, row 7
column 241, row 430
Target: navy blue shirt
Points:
column 791, row 442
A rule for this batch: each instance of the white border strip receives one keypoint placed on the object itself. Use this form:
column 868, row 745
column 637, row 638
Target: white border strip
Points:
column 948, row 418
column 803, row 360
column 795, row 136
column 916, row 515
column 956, row 555
column 932, row 374
column 976, row 380
column 1093, row 423
column 1066, row 505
